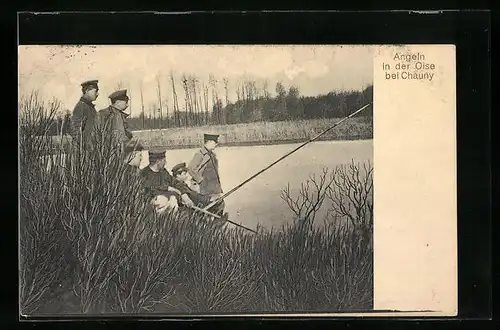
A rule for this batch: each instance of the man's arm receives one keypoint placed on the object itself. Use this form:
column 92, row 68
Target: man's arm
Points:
column 181, row 187
column 147, row 183
column 77, row 121
column 114, row 125
column 186, row 200
column 195, row 165
column 185, row 192
column 127, row 131
column 169, row 184
column 119, row 128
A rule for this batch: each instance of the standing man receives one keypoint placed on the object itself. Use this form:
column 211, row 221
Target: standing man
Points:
column 204, row 168
column 114, row 120
column 84, row 113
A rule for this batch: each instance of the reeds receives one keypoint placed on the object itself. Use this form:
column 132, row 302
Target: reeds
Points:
column 258, row 133
column 90, row 243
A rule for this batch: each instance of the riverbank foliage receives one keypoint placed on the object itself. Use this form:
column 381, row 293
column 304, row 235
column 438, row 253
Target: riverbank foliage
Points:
column 256, row 117
column 89, row 243
column 259, row 133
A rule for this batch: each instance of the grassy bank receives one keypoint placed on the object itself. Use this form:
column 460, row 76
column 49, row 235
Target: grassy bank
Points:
column 259, row 133
column 89, row 243
column 251, row 134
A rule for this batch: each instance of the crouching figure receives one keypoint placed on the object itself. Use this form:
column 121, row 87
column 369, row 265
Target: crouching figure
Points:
column 190, row 197
column 159, row 184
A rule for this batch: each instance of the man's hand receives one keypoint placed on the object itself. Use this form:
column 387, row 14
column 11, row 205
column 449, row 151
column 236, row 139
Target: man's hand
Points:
column 194, row 186
column 172, row 189
column 214, row 197
column 187, row 201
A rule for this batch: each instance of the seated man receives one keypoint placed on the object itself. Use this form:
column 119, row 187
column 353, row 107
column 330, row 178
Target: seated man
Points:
column 158, row 182
column 191, row 197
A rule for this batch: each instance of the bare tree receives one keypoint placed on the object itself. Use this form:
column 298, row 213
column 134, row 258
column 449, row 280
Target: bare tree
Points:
column 226, row 82
column 205, row 97
column 142, row 109
column 215, row 98
column 160, row 110
column 185, row 85
column 224, row 114
column 193, row 82
column 167, row 115
column 239, row 96
column 129, row 92
column 200, row 104
column 175, row 102
column 265, row 90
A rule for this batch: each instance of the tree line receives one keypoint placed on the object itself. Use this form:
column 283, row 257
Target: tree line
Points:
column 201, row 104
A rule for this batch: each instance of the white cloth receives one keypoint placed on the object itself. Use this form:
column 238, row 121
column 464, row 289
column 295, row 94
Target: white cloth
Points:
column 162, row 204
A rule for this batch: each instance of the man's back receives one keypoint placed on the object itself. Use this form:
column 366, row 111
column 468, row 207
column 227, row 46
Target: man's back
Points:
column 156, row 183
column 82, row 120
column 205, row 171
column 113, row 121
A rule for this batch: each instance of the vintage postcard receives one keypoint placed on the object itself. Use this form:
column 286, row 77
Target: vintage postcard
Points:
column 312, row 180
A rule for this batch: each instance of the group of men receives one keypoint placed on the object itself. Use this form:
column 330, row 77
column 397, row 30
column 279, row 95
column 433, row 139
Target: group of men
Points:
column 86, row 119
column 192, row 185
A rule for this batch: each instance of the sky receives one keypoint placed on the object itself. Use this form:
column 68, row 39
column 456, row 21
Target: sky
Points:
column 57, row 71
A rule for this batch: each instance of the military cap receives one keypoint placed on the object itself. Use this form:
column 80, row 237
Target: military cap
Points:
column 92, row 83
column 119, row 95
column 211, row 137
column 156, row 155
column 179, row 168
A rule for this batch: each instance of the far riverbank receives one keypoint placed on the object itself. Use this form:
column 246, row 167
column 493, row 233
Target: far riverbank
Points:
column 258, row 133
column 251, row 134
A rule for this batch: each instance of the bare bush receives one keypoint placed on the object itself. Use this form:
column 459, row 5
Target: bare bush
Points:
column 310, row 198
column 348, row 188
column 41, row 251
column 341, row 273
column 351, row 196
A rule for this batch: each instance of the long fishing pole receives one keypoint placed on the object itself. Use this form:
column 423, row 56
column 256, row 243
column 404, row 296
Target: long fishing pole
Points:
column 283, row 157
column 218, row 217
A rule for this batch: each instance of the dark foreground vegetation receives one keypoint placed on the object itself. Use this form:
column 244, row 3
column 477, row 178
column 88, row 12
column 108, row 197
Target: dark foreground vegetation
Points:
column 89, row 242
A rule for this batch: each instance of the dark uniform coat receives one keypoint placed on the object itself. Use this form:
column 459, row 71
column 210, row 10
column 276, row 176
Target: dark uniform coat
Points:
column 204, row 168
column 82, row 120
column 157, row 183
column 114, row 121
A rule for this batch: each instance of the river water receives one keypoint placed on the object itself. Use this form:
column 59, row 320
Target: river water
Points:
column 259, row 200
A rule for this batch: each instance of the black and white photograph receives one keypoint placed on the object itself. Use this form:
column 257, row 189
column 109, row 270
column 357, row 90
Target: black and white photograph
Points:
column 195, row 179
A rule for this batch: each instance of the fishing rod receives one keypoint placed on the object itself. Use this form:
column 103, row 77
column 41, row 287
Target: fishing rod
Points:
column 283, row 157
column 218, row 217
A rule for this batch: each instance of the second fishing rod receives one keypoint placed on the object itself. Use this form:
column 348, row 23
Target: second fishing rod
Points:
column 286, row 155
